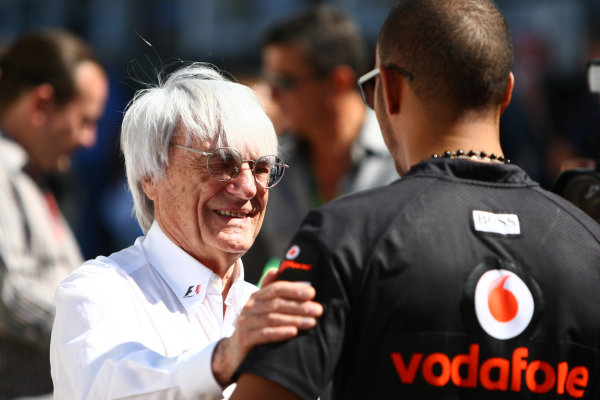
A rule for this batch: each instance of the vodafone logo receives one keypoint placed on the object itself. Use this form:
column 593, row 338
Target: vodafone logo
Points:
column 293, row 252
column 504, row 305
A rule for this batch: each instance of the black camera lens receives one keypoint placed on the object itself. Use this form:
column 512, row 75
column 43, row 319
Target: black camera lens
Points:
column 582, row 188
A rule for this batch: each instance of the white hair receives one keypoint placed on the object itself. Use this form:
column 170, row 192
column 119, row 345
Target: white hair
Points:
column 200, row 103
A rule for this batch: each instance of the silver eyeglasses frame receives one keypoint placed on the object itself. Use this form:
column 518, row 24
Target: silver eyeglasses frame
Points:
column 252, row 164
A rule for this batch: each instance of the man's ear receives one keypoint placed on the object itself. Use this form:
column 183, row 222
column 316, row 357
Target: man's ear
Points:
column 507, row 92
column 149, row 188
column 42, row 100
column 343, row 78
column 391, row 83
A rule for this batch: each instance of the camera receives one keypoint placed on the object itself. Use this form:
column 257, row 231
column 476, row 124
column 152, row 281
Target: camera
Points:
column 581, row 185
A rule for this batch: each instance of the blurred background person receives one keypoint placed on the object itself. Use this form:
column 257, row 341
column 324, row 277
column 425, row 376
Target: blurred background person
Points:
column 53, row 90
column 311, row 61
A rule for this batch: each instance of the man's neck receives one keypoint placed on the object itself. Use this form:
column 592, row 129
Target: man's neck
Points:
column 228, row 278
column 479, row 133
column 330, row 145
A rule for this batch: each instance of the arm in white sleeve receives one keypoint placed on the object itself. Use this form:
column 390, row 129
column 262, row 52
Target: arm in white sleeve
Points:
column 107, row 344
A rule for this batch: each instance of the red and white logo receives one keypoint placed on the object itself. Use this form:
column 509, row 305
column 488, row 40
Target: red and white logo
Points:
column 293, row 252
column 504, row 305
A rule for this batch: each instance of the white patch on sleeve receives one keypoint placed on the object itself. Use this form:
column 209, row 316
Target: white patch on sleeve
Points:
column 503, row 224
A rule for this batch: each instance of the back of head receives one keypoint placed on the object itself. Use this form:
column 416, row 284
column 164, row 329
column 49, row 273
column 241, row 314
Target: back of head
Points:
column 459, row 51
column 328, row 36
column 195, row 101
column 43, row 57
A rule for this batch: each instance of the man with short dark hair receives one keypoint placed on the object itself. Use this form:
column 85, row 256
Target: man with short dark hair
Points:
column 53, row 90
column 311, row 61
column 464, row 279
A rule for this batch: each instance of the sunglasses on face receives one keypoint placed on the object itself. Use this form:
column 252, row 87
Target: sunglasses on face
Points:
column 366, row 83
column 281, row 83
column 225, row 163
column 285, row 83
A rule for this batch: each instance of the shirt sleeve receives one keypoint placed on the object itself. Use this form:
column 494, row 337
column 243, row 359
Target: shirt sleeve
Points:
column 305, row 364
column 98, row 352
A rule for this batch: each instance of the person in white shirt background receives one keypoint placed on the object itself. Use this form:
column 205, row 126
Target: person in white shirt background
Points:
column 171, row 316
column 53, row 91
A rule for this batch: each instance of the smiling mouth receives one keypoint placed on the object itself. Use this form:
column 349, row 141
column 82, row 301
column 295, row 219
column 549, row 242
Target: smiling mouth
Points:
column 230, row 214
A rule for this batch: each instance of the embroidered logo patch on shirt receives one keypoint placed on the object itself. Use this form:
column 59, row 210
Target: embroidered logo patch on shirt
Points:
column 504, row 305
column 192, row 291
column 503, row 224
column 293, row 252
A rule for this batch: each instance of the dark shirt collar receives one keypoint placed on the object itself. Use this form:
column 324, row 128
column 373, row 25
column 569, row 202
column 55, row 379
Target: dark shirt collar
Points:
column 472, row 170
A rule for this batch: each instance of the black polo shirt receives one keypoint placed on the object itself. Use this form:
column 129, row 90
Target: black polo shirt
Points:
column 461, row 280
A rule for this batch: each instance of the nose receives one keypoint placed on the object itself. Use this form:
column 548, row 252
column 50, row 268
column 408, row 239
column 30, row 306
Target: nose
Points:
column 243, row 184
column 88, row 135
column 274, row 93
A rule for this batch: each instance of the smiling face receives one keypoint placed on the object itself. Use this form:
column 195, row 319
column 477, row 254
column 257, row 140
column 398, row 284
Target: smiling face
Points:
column 215, row 222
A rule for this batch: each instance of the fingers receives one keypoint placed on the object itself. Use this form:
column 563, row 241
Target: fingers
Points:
column 280, row 304
column 264, row 335
column 260, row 305
column 274, row 313
column 254, row 319
column 269, row 277
column 277, row 312
column 298, row 291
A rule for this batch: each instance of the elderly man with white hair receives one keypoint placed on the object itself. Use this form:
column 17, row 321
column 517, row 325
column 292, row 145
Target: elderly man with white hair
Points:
column 171, row 316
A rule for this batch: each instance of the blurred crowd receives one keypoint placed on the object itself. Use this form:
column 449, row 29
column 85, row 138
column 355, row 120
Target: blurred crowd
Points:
column 552, row 116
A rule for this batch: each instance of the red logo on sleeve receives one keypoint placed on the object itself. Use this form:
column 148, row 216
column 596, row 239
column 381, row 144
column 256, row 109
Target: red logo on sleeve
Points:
column 294, row 265
column 293, row 252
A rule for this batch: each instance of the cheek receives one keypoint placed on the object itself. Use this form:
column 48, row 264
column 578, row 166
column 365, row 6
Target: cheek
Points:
column 181, row 198
column 66, row 128
column 261, row 203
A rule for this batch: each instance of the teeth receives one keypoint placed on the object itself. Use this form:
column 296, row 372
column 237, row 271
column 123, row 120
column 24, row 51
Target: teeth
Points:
column 230, row 214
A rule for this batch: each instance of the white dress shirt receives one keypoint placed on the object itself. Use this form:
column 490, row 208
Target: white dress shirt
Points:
column 141, row 323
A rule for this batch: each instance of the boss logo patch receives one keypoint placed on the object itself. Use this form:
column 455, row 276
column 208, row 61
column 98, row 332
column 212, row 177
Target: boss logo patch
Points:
column 502, row 224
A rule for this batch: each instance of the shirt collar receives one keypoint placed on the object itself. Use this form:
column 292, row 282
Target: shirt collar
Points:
column 472, row 170
column 12, row 155
column 369, row 140
column 189, row 279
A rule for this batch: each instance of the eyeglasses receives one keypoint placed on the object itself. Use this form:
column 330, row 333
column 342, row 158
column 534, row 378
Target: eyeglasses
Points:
column 366, row 83
column 225, row 163
column 284, row 83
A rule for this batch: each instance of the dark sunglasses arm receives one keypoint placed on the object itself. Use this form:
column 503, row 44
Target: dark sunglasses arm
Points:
column 400, row 70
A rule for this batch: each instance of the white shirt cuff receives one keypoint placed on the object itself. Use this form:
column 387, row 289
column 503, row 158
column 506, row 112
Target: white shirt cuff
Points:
column 194, row 374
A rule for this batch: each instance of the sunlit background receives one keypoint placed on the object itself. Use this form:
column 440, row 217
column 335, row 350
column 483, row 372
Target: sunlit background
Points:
column 552, row 117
